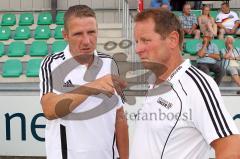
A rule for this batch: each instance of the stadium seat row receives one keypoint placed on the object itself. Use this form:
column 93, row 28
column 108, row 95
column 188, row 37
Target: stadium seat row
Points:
column 14, row 68
column 24, row 32
column 44, row 18
column 37, row 48
column 190, row 46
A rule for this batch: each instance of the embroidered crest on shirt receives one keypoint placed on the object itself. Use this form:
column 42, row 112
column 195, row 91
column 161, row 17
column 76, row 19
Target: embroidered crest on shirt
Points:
column 164, row 103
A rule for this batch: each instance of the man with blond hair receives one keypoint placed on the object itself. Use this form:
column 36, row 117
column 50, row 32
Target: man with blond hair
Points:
column 80, row 95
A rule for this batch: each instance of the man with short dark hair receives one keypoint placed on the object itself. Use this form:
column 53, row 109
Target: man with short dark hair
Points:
column 227, row 21
column 80, row 95
column 189, row 22
column 190, row 115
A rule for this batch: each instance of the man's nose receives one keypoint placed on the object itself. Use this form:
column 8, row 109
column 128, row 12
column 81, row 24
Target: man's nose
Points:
column 139, row 48
column 86, row 39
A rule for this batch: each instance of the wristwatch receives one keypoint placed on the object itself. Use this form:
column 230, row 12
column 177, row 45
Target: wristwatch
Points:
column 206, row 55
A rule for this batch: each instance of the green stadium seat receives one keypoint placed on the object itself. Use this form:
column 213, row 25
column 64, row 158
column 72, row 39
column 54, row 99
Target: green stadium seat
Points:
column 5, row 33
column 1, row 49
column 236, row 43
column 26, row 19
column 42, row 32
column 58, row 46
column 196, row 12
column 60, row 18
column 188, row 36
column 44, row 18
column 193, row 62
column 22, row 33
column 191, row 46
column 214, row 13
column 17, row 49
column 233, row 35
column 12, row 68
column 33, row 66
column 220, row 43
column 39, row 48
column 8, row 19
column 58, row 32
column 177, row 13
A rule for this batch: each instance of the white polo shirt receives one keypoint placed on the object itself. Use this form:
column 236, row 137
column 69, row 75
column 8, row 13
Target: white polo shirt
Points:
column 84, row 133
column 181, row 123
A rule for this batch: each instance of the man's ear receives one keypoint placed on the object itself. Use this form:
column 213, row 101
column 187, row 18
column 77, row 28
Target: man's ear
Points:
column 65, row 35
column 173, row 40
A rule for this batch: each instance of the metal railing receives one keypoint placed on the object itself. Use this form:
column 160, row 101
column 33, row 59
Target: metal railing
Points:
column 126, row 18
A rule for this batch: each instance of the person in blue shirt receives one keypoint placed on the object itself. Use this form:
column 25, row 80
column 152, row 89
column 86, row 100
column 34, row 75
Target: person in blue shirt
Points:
column 208, row 54
column 158, row 3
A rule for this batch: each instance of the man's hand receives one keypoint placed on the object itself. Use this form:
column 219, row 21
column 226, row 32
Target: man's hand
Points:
column 187, row 31
column 201, row 54
column 227, row 56
column 205, row 42
column 190, row 31
column 228, row 31
column 232, row 31
column 107, row 85
column 230, row 46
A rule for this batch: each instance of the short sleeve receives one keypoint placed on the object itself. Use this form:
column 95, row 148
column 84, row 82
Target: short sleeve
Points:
column 120, row 102
column 180, row 17
column 222, row 52
column 210, row 115
column 115, row 71
column 199, row 46
column 215, row 49
column 218, row 18
column 236, row 18
column 45, row 78
column 195, row 20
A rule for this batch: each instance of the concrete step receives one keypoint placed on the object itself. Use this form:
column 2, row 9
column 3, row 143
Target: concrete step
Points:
column 108, row 33
column 109, row 25
column 100, row 48
column 104, row 40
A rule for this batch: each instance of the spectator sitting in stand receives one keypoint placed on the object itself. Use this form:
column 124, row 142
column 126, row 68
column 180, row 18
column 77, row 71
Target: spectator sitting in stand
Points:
column 189, row 22
column 159, row 3
column 165, row 6
column 208, row 55
column 231, row 56
column 227, row 21
column 207, row 23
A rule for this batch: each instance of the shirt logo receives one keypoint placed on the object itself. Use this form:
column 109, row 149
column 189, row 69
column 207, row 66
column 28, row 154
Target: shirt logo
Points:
column 68, row 84
column 164, row 103
column 175, row 72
